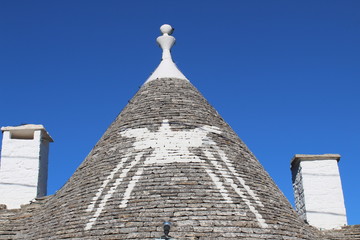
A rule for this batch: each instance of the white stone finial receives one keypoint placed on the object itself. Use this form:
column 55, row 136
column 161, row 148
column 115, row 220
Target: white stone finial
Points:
column 165, row 41
column 167, row 68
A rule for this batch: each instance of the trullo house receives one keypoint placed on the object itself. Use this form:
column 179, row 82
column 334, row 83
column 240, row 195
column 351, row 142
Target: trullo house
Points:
column 168, row 167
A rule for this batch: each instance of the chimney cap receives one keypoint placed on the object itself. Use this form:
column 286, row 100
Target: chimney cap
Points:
column 313, row 157
column 28, row 129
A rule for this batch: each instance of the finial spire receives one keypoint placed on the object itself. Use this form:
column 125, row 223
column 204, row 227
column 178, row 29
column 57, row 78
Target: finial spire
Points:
column 165, row 41
column 167, row 68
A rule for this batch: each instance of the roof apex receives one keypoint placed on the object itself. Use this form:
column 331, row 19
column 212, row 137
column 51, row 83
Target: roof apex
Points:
column 167, row 68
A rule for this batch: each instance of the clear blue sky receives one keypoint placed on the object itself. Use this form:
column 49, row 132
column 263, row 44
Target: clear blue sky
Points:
column 284, row 74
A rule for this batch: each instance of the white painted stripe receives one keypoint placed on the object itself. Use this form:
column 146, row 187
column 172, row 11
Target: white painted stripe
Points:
column 227, row 177
column 258, row 216
column 219, row 185
column 241, row 180
column 130, row 187
column 105, row 183
column 109, row 194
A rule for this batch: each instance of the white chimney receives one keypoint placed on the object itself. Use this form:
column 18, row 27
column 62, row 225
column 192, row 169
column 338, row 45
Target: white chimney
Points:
column 318, row 192
column 23, row 164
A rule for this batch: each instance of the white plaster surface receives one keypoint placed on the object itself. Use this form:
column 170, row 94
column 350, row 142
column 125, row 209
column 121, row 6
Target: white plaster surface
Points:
column 318, row 193
column 23, row 166
column 174, row 147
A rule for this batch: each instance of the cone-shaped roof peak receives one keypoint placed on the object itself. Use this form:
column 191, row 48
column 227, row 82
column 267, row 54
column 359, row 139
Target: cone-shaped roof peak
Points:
column 167, row 68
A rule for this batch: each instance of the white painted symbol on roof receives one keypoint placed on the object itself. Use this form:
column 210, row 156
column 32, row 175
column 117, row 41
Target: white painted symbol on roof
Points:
column 173, row 147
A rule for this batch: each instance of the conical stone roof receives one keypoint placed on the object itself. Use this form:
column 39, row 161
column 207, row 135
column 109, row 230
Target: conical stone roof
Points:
column 168, row 156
